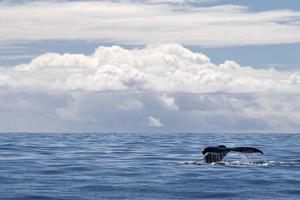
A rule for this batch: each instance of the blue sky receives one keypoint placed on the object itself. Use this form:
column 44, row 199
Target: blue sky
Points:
column 181, row 66
column 264, row 4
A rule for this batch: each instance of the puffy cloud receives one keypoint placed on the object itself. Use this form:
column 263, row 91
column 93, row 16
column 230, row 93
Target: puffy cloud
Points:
column 118, row 89
column 169, row 102
column 154, row 122
column 161, row 68
column 129, row 22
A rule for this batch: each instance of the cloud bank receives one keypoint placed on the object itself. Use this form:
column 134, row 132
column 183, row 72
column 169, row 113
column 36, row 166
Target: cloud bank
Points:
column 140, row 23
column 119, row 89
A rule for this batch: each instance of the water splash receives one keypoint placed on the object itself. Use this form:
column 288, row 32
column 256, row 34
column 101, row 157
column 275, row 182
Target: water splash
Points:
column 244, row 161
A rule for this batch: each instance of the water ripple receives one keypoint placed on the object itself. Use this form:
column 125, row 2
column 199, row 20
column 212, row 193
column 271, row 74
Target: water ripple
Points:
column 145, row 166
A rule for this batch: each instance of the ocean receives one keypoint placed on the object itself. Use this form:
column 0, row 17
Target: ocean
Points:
column 90, row 166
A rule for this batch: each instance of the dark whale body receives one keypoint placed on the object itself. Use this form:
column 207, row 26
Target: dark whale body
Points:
column 216, row 154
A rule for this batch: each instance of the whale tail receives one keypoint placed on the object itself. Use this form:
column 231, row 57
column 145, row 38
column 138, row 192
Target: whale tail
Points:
column 216, row 154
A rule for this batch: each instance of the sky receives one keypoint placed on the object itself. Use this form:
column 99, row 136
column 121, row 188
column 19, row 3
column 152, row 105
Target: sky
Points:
column 150, row 66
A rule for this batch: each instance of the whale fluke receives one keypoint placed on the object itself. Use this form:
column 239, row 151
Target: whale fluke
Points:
column 246, row 150
column 216, row 154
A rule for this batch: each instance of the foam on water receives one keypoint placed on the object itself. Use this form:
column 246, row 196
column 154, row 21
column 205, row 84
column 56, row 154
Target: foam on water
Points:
column 258, row 163
column 246, row 160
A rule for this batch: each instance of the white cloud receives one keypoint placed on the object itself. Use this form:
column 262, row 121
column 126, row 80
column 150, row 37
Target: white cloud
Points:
column 169, row 102
column 161, row 68
column 154, row 122
column 138, row 23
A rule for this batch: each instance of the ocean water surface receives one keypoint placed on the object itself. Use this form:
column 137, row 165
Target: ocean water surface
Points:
column 146, row 166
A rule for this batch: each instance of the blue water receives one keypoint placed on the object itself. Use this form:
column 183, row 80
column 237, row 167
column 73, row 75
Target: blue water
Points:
column 146, row 166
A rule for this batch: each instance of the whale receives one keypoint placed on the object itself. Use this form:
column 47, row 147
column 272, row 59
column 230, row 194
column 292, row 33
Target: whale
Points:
column 216, row 154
